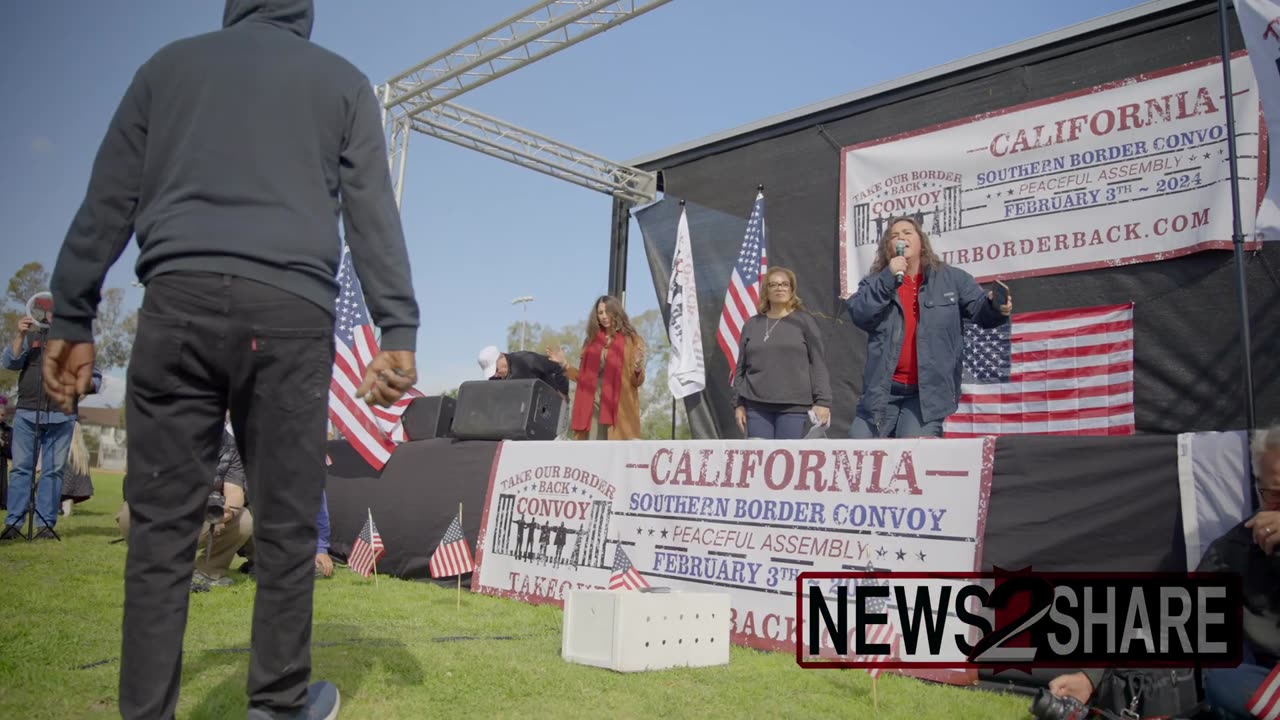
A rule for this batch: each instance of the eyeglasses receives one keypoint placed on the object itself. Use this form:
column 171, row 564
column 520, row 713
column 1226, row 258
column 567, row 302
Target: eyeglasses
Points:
column 779, row 285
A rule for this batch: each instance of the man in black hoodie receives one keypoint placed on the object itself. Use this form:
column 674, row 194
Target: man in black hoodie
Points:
column 230, row 158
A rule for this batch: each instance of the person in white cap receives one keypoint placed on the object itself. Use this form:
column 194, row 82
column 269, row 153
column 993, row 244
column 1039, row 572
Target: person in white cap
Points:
column 522, row 365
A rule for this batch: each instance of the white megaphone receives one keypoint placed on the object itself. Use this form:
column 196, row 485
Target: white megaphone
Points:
column 40, row 309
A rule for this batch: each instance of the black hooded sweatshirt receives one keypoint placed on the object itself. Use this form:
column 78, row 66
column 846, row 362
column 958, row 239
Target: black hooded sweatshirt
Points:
column 235, row 152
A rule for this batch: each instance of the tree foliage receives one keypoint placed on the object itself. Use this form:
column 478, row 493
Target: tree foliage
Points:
column 113, row 331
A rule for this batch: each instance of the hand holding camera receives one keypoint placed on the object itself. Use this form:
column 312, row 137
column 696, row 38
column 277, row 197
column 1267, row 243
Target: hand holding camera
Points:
column 1047, row 706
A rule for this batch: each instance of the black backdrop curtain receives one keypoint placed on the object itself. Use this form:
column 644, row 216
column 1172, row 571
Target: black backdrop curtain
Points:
column 1188, row 366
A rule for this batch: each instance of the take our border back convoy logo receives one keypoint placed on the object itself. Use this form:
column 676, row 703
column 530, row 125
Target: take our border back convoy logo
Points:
column 1018, row 620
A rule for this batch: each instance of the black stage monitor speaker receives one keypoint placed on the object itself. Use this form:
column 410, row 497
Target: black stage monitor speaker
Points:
column 507, row 410
column 429, row 417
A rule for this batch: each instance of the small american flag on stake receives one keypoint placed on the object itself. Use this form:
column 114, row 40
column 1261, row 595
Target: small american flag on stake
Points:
column 744, row 286
column 367, row 549
column 1265, row 703
column 885, row 634
column 625, row 576
column 1055, row 372
column 452, row 556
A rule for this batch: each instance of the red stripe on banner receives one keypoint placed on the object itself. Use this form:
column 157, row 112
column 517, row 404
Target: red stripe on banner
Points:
column 1071, row 373
column 1070, row 351
column 1123, row 326
column 1046, row 416
column 1119, row 389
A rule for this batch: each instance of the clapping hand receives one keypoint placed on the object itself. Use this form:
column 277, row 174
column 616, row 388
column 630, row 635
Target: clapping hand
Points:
column 556, row 355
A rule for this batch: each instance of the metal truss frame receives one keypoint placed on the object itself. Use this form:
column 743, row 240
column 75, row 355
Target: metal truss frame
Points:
column 418, row 99
column 540, row 31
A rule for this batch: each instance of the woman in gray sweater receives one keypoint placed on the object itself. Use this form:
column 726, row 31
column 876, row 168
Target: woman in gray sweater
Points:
column 781, row 374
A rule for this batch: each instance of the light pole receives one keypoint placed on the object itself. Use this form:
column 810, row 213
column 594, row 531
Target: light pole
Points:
column 524, row 334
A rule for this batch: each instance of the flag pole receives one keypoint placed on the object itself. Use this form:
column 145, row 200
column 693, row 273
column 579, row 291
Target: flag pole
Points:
column 459, row 608
column 1237, row 236
column 673, row 400
column 375, row 555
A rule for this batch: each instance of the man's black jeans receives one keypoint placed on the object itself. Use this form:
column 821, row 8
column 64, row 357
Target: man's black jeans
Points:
column 206, row 343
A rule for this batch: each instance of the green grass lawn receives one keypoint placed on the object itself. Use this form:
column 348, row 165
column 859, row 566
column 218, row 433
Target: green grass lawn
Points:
column 395, row 650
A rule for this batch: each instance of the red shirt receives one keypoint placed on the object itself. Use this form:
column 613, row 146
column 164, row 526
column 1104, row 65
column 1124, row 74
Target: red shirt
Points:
column 909, row 295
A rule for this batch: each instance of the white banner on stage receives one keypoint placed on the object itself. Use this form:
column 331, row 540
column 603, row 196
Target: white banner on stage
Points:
column 740, row 517
column 1260, row 25
column 1132, row 171
column 1215, row 484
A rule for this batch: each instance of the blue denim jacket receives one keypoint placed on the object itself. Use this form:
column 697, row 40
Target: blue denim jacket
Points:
column 949, row 297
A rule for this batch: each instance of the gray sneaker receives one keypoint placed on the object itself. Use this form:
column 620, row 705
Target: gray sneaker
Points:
column 322, row 704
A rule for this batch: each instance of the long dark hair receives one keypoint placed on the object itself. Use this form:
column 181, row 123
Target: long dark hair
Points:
column 885, row 252
column 618, row 320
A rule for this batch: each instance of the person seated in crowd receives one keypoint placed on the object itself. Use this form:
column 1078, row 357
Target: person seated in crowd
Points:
column 915, row 335
column 781, row 378
column 24, row 355
column 230, row 533
column 606, row 402
column 1251, row 550
column 522, row 365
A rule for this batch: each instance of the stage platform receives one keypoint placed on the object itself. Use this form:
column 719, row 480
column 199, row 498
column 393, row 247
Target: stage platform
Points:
column 1097, row 504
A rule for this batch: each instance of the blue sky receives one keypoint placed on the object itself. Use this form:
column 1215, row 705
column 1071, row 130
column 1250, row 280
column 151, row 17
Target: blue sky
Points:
column 482, row 231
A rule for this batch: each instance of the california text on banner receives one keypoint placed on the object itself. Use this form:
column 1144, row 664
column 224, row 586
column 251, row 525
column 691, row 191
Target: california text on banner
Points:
column 739, row 517
column 1132, row 171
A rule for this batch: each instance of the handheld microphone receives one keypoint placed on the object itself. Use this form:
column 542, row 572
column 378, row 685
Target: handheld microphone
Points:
column 901, row 249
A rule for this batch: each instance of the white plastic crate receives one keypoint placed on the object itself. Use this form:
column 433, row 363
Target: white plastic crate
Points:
column 631, row 631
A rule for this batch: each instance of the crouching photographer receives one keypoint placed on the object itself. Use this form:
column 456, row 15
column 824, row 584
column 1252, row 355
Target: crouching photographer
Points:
column 227, row 524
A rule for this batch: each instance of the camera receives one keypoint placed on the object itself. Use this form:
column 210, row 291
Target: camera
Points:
column 213, row 509
column 1048, row 706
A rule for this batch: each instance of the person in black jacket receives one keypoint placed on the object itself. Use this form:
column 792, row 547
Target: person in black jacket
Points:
column 519, row 365
column 231, row 157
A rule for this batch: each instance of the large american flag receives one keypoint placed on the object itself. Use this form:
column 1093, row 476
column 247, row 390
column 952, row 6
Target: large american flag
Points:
column 1055, row 372
column 367, row 548
column 743, row 295
column 1265, row 703
column 625, row 576
column 452, row 555
column 372, row 431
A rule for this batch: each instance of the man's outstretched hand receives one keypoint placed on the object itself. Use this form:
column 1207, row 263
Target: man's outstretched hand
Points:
column 68, row 372
column 388, row 378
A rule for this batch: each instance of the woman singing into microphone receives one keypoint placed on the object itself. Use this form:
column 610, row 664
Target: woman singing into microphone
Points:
column 912, row 307
column 781, row 374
